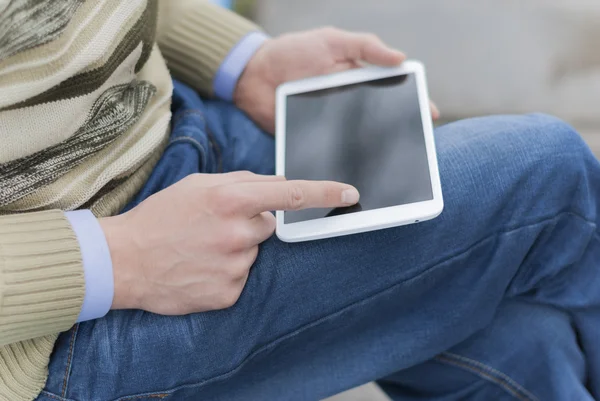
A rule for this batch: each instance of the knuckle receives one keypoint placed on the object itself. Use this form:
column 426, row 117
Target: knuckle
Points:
column 295, row 198
column 230, row 297
column 371, row 37
column 226, row 238
column 270, row 222
column 222, row 243
column 330, row 30
column 225, row 200
column 192, row 179
column 241, row 200
column 239, row 270
column 239, row 238
column 252, row 255
column 216, row 198
column 243, row 174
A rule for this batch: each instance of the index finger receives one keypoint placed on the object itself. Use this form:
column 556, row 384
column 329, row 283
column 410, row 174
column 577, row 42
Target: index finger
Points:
column 295, row 195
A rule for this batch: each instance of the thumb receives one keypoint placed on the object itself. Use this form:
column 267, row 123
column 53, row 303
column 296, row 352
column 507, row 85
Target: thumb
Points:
column 365, row 47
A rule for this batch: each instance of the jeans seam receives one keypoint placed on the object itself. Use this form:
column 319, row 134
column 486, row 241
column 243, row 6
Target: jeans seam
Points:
column 54, row 396
column 209, row 134
column 191, row 140
column 159, row 396
column 217, row 149
column 196, row 144
column 349, row 307
column 487, row 373
column 213, row 144
column 69, row 360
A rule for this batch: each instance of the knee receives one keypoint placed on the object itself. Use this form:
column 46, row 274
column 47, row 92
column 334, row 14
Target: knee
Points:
column 534, row 143
column 550, row 150
column 535, row 131
column 552, row 136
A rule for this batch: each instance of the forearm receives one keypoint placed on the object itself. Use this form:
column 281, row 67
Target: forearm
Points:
column 41, row 276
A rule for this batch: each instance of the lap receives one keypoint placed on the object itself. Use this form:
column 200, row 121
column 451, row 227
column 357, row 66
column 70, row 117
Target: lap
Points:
column 312, row 307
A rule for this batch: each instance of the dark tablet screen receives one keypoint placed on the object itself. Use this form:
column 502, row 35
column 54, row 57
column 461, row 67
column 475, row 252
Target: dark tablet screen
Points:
column 369, row 135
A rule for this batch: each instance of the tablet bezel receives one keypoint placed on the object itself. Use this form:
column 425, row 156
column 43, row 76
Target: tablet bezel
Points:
column 369, row 220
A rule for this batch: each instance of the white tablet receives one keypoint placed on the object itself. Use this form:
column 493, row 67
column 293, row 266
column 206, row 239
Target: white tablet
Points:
column 370, row 128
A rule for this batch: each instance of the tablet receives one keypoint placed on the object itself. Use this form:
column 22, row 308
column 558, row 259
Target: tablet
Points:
column 370, row 128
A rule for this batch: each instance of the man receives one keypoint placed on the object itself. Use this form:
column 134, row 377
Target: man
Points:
column 496, row 299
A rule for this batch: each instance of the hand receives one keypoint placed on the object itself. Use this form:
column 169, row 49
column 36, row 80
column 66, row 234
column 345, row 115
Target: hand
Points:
column 301, row 55
column 190, row 247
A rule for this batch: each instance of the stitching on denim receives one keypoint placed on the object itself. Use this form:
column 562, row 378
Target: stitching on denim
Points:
column 54, row 396
column 199, row 147
column 208, row 132
column 215, row 145
column 211, row 138
column 488, row 373
column 349, row 307
column 141, row 397
column 193, row 141
column 159, row 396
column 69, row 360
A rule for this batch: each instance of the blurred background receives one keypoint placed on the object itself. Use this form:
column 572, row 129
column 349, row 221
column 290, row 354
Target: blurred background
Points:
column 482, row 56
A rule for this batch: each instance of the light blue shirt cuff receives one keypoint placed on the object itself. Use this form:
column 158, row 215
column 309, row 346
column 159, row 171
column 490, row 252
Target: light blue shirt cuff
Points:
column 234, row 64
column 97, row 265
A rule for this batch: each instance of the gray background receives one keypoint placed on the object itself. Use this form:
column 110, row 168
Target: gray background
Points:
column 482, row 56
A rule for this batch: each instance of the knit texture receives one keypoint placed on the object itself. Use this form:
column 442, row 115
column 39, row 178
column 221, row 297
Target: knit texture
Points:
column 196, row 45
column 128, row 151
column 89, row 47
column 84, row 118
column 114, row 112
column 42, row 291
column 42, row 279
column 89, row 81
column 28, row 23
column 32, row 129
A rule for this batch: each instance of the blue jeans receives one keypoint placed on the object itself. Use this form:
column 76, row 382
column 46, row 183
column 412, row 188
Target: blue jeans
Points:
column 497, row 299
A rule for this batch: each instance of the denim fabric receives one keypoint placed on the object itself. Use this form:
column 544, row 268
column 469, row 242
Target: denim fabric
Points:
column 497, row 299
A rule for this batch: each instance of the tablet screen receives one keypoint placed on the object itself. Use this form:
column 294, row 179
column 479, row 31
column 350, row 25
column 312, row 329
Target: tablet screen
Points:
column 369, row 135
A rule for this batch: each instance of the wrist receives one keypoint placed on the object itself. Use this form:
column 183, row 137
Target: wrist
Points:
column 249, row 80
column 234, row 64
column 124, row 261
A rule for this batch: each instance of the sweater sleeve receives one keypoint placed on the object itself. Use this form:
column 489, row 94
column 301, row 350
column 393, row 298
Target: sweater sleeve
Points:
column 195, row 36
column 41, row 276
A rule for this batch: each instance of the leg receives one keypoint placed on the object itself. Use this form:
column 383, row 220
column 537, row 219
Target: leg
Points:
column 316, row 318
column 528, row 353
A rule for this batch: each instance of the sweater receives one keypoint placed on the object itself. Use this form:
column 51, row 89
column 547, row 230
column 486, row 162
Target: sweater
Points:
column 85, row 89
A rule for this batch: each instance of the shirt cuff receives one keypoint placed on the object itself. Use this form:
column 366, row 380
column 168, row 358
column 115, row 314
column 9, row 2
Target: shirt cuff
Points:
column 234, row 64
column 97, row 265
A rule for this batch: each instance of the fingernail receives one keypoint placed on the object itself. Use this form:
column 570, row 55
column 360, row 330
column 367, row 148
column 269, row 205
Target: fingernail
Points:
column 350, row 196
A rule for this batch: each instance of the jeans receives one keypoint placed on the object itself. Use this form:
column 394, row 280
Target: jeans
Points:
column 496, row 299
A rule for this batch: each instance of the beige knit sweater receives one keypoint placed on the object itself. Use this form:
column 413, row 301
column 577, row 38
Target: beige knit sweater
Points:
column 84, row 115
